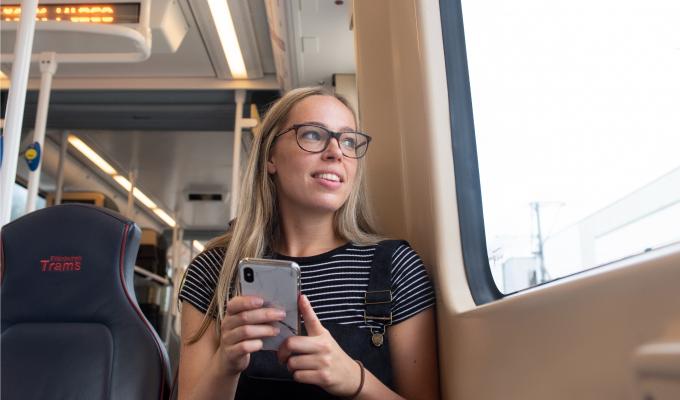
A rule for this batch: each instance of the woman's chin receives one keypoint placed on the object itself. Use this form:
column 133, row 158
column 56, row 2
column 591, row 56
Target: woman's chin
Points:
column 325, row 206
column 324, row 203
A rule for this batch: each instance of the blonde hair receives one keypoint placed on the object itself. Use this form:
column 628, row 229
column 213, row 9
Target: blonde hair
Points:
column 257, row 224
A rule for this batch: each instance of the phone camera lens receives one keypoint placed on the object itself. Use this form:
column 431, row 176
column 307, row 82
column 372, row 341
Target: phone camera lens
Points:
column 248, row 274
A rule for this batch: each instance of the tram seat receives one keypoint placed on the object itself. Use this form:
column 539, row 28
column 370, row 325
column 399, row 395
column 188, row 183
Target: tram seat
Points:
column 71, row 326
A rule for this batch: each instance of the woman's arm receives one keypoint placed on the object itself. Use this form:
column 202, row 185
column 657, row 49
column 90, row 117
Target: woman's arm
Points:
column 210, row 368
column 413, row 348
column 199, row 370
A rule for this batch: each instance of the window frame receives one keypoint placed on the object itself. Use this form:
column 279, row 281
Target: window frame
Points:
column 464, row 148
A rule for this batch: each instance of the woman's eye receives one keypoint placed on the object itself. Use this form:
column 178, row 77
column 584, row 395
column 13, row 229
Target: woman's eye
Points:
column 311, row 135
column 349, row 142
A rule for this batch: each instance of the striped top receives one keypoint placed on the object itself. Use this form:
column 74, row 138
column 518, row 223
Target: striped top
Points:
column 334, row 282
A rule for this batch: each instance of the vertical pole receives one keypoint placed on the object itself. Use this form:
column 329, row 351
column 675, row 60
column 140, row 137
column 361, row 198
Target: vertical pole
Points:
column 176, row 281
column 541, row 275
column 48, row 66
column 236, row 163
column 177, row 234
column 60, row 168
column 131, row 198
column 15, row 106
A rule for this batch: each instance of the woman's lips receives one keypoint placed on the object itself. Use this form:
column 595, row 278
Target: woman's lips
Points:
column 328, row 180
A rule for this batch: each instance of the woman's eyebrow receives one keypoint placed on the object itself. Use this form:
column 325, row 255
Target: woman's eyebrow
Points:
column 342, row 129
column 314, row 123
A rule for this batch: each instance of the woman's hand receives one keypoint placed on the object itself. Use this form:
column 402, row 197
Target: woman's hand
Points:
column 243, row 329
column 318, row 359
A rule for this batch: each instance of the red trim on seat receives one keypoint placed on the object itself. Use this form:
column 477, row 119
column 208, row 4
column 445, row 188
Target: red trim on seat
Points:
column 137, row 309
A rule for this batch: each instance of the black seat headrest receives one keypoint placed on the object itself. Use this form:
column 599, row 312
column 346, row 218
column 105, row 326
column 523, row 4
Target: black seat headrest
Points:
column 71, row 326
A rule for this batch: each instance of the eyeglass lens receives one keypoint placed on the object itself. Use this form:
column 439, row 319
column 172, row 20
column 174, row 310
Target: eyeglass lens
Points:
column 315, row 139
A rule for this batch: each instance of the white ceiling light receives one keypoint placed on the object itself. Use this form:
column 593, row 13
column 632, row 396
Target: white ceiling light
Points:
column 139, row 195
column 120, row 179
column 143, row 198
column 221, row 16
column 165, row 217
column 233, row 48
column 198, row 246
column 91, row 155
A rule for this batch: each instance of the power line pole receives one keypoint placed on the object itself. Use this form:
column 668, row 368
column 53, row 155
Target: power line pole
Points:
column 542, row 271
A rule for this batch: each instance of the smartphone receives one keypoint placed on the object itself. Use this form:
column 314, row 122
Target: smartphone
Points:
column 278, row 283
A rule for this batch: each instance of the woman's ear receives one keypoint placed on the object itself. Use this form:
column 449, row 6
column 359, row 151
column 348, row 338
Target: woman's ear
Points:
column 271, row 167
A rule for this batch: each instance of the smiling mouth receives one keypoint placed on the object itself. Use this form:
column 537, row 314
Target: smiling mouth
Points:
column 328, row 177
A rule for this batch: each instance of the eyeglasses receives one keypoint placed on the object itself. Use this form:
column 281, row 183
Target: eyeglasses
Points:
column 315, row 139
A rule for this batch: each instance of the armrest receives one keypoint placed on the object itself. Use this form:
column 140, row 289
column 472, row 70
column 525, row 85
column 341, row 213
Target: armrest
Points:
column 657, row 370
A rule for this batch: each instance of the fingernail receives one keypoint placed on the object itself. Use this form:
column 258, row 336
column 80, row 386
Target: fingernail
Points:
column 277, row 331
column 258, row 301
column 280, row 314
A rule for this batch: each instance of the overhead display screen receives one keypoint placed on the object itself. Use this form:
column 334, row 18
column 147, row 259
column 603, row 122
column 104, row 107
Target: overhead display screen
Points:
column 102, row 13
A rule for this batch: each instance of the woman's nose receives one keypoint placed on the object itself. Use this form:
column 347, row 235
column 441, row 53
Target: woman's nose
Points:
column 333, row 151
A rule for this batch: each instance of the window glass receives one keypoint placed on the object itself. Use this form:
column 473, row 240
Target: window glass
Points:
column 19, row 195
column 576, row 109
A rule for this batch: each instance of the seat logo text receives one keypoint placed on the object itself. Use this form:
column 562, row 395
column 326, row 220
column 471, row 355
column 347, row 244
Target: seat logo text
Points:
column 61, row 264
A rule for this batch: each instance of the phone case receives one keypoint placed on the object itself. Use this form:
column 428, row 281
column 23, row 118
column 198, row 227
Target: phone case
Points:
column 278, row 283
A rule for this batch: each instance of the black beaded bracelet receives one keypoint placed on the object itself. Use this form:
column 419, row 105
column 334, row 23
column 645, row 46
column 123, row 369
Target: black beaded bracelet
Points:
column 361, row 382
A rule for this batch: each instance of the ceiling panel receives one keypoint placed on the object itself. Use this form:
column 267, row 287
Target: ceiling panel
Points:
column 170, row 164
column 197, row 110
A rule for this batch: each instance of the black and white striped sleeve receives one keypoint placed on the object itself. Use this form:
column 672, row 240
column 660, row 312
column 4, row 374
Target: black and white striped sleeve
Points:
column 412, row 290
column 200, row 279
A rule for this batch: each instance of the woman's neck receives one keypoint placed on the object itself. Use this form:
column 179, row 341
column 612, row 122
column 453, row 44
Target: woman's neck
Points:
column 307, row 235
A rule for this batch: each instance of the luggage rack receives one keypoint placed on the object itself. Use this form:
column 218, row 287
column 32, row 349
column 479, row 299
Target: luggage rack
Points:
column 154, row 297
column 151, row 276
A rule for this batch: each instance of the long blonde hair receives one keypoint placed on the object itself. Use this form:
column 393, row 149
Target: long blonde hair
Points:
column 257, row 224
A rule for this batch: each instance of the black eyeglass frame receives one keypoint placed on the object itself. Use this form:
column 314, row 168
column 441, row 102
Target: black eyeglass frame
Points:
column 332, row 134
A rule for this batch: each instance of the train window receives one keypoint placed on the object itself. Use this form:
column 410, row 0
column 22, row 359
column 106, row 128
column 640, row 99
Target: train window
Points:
column 573, row 149
column 19, row 194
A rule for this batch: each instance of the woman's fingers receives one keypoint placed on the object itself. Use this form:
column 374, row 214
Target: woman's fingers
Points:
column 245, row 347
column 308, row 361
column 243, row 329
column 253, row 317
column 318, row 359
column 246, row 332
column 243, row 303
column 338, row 376
column 312, row 323
column 312, row 377
column 314, row 343
column 301, row 345
column 305, row 376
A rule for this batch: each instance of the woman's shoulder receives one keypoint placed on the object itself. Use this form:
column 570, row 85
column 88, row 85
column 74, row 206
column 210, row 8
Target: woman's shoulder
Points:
column 206, row 266
column 201, row 277
column 390, row 247
column 210, row 258
column 412, row 288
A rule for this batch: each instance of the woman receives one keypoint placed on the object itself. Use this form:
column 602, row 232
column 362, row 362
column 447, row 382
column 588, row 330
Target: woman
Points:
column 367, row 307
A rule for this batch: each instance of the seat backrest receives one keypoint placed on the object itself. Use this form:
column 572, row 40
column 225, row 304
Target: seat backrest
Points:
column 71, row 326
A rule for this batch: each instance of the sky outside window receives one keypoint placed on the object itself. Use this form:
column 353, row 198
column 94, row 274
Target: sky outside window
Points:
column 576, row 106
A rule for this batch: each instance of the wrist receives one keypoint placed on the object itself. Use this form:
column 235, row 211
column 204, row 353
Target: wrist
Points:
column 221, row 367
column 362, row 378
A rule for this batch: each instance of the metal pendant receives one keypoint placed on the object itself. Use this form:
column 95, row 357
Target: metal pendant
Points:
column 377, row 339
